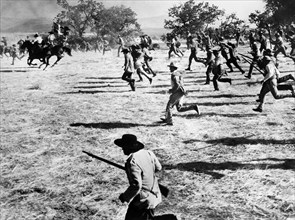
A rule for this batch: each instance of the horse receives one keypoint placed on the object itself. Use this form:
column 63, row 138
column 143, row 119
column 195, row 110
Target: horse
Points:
column 58, row 51
column 45, row 53
column 34, row 52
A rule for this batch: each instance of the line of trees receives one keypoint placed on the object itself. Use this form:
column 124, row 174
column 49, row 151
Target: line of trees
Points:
column 191, row 17
column 89, row 15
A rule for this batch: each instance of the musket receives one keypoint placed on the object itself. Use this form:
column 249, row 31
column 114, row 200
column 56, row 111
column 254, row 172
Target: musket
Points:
column 163, row 189
column 245, row 56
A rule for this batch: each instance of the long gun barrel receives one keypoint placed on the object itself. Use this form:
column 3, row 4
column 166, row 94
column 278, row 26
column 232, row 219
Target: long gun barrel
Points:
column 164, row 190
column 244, row 57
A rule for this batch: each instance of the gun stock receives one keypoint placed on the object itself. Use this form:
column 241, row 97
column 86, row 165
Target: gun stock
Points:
column 163, row 189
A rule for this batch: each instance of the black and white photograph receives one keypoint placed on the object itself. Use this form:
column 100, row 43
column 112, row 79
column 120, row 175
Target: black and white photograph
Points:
column 147, row 110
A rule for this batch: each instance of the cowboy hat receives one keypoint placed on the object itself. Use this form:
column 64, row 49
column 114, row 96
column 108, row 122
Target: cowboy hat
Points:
column 172, row 65
column 267, row 52
column 125, row 50
column 129, row 141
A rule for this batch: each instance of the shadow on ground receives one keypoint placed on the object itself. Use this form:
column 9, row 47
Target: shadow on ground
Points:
column 206, row 114
column 112, row 125
column 234, row 141
column 211, row 168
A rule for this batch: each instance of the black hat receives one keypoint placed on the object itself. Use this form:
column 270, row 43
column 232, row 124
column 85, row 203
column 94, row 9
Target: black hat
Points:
column 172, row 65
column 125, row 50
column 129, row 141
column 51, row 32
column 267, row 52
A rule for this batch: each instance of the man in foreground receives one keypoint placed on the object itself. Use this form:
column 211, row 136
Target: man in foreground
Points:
column 143, row 193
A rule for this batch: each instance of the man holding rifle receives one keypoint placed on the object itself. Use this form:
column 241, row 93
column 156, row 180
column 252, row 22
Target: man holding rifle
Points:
column 143, row 193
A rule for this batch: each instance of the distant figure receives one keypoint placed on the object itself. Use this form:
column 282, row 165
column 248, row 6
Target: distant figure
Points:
column 121, row 44
column 128, row 68
column 13, row 53
column 194, row 49
column 218, row 70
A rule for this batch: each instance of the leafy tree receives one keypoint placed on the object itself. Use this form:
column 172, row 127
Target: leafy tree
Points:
column 231, row 24
column 78, row 17
column 261, row 19
column 283, row 11
column 116, row 20
column 191, row 17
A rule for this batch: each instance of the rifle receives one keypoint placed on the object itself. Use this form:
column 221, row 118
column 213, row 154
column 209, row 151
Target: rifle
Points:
column 245, row 56
column 163, row 189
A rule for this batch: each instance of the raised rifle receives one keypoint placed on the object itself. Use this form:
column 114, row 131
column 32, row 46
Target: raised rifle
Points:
column 163, row 189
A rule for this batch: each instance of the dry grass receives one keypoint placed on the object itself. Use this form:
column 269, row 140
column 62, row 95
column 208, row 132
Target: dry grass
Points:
column 228, row 163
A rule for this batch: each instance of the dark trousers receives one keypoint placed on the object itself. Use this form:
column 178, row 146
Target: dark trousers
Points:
column 208, row 71
column 133, row 213
column 216, row 78
column 271, row 85
column 127, row 76
column 174, row 50
column 176, row 99
column 233, row 60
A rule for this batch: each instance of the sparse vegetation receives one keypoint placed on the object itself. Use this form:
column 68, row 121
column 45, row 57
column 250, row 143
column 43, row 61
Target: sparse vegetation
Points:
column 227, row 163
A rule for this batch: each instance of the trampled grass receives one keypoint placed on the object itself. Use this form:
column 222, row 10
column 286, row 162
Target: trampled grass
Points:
column 227, row 163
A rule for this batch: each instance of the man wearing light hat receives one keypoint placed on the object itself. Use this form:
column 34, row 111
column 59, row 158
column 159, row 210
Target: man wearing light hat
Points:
column 143, row 193
column 177, row 96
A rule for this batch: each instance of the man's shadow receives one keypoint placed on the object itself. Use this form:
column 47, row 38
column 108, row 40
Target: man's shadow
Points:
column 111, row 125
column 211, row 168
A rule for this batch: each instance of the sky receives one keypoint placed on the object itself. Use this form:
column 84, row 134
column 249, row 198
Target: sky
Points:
column 25, row 9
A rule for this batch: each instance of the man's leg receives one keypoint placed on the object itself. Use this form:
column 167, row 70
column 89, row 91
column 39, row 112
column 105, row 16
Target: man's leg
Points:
column 134, row 213
column 215, row 83
column 228, row 63
column 238, row 66
column 208, row 71
column 173, row 100
column 183, row 108
column 274, row 90
column 220, row 79
column 140, row 71
column 189, row 62
column 264, row 90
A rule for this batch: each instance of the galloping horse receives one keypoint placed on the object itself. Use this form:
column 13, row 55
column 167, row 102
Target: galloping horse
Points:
column 44, row 53
column 34, row 52
column 58, row 51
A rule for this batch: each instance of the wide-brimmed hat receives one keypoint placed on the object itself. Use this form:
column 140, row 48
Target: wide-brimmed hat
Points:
column 125, row 50
column 51, row 32
column 129, row 141
column 172, row 65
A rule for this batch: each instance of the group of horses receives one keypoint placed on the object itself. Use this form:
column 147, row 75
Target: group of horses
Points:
column 42, row 53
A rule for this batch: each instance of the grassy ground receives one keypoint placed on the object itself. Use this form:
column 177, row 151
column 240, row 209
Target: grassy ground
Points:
column 227, row 163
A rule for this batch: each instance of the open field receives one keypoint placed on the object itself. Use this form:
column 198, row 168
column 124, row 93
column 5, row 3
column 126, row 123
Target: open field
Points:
column 228, row 163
